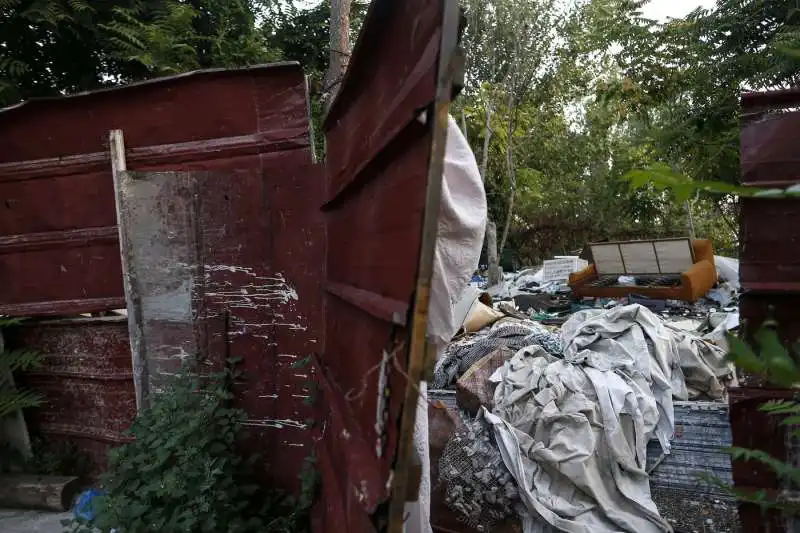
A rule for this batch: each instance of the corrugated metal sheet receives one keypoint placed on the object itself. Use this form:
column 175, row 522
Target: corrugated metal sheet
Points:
column 383, row 174
column 770, row 228
column 86, row 381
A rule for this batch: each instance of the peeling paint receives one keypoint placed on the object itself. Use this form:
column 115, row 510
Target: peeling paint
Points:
column 276, row 423
column 263, row 289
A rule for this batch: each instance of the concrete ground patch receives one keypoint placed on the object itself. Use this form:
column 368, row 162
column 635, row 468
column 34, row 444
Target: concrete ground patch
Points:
column 19, row 521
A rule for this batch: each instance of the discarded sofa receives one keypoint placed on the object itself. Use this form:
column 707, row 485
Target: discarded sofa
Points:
column 668, row 269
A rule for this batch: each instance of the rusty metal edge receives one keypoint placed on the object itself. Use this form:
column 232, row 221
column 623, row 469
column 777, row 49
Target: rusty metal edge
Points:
column 155, row 81
column 63, row 307
column 418, row 350
column 82, row 320
column 770, row 98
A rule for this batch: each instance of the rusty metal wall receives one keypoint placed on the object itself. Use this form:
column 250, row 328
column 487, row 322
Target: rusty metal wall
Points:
column 86, row 382
column 378, row 156
column 58, row 236
column 770, row 279
column 230, row 264
column 59, row 240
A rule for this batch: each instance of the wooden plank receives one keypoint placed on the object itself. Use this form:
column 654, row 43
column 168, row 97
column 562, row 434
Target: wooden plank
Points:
column 132, row 298
column 48, row 493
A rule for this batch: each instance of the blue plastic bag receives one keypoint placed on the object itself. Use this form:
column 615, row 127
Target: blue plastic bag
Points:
column 84, row 506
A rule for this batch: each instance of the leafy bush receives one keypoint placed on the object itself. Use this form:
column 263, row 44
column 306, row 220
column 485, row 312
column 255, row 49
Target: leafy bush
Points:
column 182, row 473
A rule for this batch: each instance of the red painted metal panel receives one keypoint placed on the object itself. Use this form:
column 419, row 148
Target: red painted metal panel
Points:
column 257, row 225
column 770, row 279
column 770, row 228
column 394, row 71
column 86, row 381
column 55, row 173
column 380, row 152
column 245, row 247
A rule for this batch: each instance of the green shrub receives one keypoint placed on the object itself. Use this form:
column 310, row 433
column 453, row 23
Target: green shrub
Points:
column 183, row 474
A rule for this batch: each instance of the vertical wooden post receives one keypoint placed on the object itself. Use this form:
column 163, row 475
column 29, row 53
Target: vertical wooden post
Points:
column 135, row 325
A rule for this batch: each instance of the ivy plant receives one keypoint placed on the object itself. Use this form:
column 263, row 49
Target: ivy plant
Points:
column 182, row 473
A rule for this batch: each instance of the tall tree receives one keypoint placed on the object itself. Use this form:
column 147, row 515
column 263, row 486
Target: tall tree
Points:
column 51, row 47
column 339, row 47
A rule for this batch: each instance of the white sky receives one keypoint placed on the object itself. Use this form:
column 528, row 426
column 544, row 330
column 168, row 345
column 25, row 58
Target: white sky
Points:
column 664, row 9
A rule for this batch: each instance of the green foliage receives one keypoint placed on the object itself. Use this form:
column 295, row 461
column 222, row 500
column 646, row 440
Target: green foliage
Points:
column 768, row 357
column 662, row 177
column 182, row 473
column 12, row 398
column 51, row 47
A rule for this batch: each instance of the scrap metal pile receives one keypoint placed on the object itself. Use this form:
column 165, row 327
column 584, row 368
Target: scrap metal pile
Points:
column 555, row 421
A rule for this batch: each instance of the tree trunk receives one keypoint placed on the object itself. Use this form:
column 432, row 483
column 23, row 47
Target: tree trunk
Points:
column 495, row 272
column 490, row 237
column 48, row 493
column 510, row 167
column 339, row 49
column 512, row 178
column 689, row 220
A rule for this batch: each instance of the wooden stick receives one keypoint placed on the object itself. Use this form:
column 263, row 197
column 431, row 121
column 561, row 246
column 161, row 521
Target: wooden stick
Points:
column 141, row 381
column 48, row 493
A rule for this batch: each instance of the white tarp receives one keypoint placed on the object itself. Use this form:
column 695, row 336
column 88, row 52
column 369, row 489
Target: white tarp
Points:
column 574, row 432
column 461, row 225
column 727, row 269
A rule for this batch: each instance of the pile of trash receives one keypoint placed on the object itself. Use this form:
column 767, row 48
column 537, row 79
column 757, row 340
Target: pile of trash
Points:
column 557, row 417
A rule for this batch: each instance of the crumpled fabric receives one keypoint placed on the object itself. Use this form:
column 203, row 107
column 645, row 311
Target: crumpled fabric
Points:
column 574, row 437
column 461, row 225
column 459, row 238
column 460, row 355
column 634, row 338
column 707, row 373
column 574, row 431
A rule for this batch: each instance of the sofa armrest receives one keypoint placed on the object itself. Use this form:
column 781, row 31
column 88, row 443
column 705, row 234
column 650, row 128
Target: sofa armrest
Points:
column 577, row 277
column 698, row 280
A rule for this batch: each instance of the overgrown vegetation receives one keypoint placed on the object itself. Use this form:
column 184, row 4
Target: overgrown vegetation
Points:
column 183, row 473
column 612, row 93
